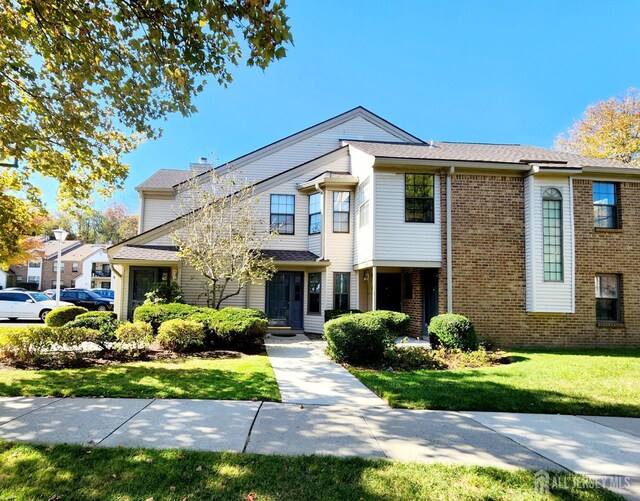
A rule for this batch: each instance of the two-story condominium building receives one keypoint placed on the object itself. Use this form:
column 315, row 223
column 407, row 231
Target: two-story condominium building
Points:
column 537, row 247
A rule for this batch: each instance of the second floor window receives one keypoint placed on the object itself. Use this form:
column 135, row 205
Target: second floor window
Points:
column 34, row 264
column 418, row 198
column 341, row 201
column 552, row 235
column 315, row 213
column 55, row 267
column 74, row 267
column 283, row 209
column 605, row 205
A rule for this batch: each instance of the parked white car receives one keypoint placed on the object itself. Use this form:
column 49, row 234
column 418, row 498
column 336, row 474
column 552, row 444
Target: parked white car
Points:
column 26, row 304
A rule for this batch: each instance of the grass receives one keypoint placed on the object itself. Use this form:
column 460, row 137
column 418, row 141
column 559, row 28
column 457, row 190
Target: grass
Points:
column 240, row 378
column 594, row 382
column 74, row 472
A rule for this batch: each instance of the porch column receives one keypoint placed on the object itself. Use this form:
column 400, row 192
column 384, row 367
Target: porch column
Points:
column 374, row 288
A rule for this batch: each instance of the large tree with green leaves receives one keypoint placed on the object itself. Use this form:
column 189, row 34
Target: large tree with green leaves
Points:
column 82, row 82
column 607, row 129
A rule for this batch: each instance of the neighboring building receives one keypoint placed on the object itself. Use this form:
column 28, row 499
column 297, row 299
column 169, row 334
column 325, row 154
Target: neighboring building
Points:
column 95, row 272
column 537, row 247
column 7, row 279
column 34, row 275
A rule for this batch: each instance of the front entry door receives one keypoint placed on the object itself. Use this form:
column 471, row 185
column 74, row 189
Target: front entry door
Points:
column 284, row 299
column 142, row 280
column 389, row 291
column 429, row 296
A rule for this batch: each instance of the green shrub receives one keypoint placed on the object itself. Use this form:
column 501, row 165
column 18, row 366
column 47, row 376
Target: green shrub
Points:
column 452, row 331
column 135, row 334
column 164, row 293
column 105, row 324
column 100, row 314
column 26, row 344
column 181, row 335
column 331, row 314
column 70, row 336
column 397, row 323
column 359, row 339
column 409, row 358
column 156, row 314
column 62, row 315
column 239, row 328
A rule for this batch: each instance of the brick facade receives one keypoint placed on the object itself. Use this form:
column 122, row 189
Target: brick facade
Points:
column 489, row 265
column 412, row 305
column 67, row 276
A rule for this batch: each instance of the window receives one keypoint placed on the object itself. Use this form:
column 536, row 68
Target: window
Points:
column 34, row 264
column 314, row 292
column 74, row 267
column 283, row 214
column 73, row 283
column 418, row 198
column 608, row 298
column 364, row 214
column 341, row 209
column 315, row 213
column 33, row 279
column 55, row 267
column 341, row 291
column 19, row 279
column 552, row 235
column 53, row 283
column 605, row 205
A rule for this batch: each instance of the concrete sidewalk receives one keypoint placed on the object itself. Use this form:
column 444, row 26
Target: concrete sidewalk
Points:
column 306, row 375
column 603, row 448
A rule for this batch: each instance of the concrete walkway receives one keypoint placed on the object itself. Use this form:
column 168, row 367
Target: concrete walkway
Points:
column 607, row 449
column 306, row 375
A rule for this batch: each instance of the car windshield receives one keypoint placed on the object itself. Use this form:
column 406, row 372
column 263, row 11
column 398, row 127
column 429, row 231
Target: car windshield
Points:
column 39, row 296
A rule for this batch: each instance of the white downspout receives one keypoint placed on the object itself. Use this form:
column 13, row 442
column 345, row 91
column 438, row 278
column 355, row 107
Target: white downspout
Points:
column 449, row 250
column 323, row 217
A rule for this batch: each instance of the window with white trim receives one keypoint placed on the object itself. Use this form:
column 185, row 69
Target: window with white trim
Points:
column 552, row 247
column 608, row 305
column 341, row 210
column 315, row 213
column 283, row 208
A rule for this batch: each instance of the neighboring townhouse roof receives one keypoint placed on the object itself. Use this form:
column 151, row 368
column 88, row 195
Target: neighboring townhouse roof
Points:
column 51, row 247
column 165, row 178
column 81, row 253
column 482, row 152
column 147, row 253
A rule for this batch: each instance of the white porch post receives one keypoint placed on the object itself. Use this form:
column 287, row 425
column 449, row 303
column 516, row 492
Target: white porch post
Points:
column 374, row 288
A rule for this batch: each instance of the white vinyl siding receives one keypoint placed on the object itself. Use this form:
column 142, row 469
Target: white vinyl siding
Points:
column 396, row 239
column 157, row 211
column 361, row 167
column 548, row 296
column 193, row 290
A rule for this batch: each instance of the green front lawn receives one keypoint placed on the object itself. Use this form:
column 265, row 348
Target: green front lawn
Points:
column 596, row 382
column 240, row 378
column 73, row 472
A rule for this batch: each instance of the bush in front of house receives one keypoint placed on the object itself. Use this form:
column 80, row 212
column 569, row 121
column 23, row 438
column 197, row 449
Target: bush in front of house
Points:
column 164, row 293
column 452, row 331
column 397, row 323
column 134, row 335
column 181, row 335
column 101, row 321
column 62, row 315
column 239, row 328
column 359, row 339
column 25, row 344
column 331, row 314
column 156, row 314
column 72, row 337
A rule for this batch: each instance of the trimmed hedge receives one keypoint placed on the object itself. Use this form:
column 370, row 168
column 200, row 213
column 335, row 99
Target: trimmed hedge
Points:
column 232, row 328
column 452, row 331
column 104, row 323
column 181, row 335
column 62, row 315
column 135, row 334
column 27, row 343
column 397, row 323
column 360, row 338
column 331, row 314
column 157, row 314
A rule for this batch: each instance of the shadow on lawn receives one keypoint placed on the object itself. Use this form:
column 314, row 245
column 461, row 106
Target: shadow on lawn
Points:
column 470, row 390
column 145, row 382
column 71, row 472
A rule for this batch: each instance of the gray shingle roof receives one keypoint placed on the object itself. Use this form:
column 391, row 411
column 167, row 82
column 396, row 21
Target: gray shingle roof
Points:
column 148, row 253
column 477, row 152
column 290, row 255
column 166, row 178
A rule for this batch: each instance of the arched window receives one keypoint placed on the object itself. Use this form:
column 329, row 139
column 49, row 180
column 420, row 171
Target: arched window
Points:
column 552, row 235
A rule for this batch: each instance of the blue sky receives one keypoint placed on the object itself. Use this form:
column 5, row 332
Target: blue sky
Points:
column 486, row 71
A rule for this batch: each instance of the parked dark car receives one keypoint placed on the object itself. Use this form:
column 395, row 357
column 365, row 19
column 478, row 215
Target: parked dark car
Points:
column 105, row 293
column 86, row 299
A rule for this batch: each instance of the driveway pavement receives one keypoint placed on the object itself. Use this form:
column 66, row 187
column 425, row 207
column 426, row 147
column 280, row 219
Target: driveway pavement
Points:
column 606, row 449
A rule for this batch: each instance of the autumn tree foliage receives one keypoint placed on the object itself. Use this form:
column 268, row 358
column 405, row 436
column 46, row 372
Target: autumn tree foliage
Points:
column 607, row 129
column 82, row 83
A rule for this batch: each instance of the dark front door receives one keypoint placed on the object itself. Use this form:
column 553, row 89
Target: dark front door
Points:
column 141, row 282
column 389, row 292
column 429, row 295
column 284, row 299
